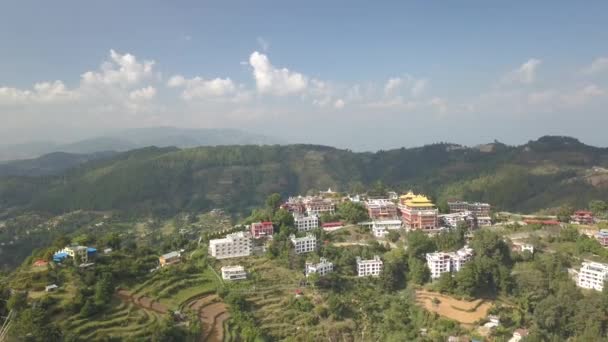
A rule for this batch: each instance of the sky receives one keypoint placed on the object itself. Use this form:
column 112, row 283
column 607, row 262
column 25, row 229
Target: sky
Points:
column 354, row 74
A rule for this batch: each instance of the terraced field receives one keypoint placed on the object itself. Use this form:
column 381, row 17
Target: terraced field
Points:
column 124, row 320
column 212, row 313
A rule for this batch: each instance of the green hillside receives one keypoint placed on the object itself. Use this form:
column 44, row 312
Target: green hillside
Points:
column 544, row 173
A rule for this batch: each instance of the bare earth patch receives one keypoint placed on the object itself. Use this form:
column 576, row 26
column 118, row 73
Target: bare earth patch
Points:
column 464, row 312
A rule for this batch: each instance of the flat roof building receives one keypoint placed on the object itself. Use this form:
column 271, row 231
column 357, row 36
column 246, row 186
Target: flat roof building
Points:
column 261, row 229
column 305, row 244
column 233, row 272
column 305, row 223
column 370, row 267
column 232, row 246
column 592, row 275
column 169, row 258
column 321, row 268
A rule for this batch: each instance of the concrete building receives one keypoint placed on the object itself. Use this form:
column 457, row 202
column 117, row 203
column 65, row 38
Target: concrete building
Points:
column 477, row 208
column 232, row 246
column 321, row 268
column 233, row 272
column 602, row 237
column 169, row 258
column 371, row 267
column 80, row 253
column 418, row 212
column 331, row 226
column 319, row 206
column 592, row 275
column 442, row 262
column 261, row 229
column 381, row 228
column 305, row 223
column 381, row 209
column 304, row 244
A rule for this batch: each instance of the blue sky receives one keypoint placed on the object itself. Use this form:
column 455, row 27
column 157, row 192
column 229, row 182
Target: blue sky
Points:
column 355, row 74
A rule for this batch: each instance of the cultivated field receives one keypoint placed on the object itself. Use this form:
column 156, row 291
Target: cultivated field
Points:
column 464, row 312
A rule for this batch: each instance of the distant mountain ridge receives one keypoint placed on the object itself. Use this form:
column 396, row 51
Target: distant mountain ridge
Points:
column 137, row 138
column 544, row 173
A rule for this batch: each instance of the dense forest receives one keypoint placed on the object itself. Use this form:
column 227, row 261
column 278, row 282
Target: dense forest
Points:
column 545, row 173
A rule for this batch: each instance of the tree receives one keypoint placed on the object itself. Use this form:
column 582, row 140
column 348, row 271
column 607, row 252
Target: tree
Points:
column 445, row 283
column 418, row 244
column 598, row 207
column 466, row 280
column 18, row 301
column 104, row 289
column 273, row 201
column 352, row 212
column 419, row 272
column 283, row 219
column 564, row 213
column 393, row 236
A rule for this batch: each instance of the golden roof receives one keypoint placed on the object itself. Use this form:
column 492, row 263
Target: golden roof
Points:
column 412, row 200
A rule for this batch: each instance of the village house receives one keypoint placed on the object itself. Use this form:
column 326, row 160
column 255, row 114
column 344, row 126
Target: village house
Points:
column 234, row 245
column 418, row 212
column 261, row 229
column 331, row 226
column 592, row 275
column 371, row 267
column 519, row 246
column 321, row 268
column 51, row 288
column 381, row 209
column 602, row 237
column 304, row 244
column 442, row 262
column 582, row 217
column 519, row 334
column 233, row 272
column 169, row 258
column 81, row 253
column 305, row 223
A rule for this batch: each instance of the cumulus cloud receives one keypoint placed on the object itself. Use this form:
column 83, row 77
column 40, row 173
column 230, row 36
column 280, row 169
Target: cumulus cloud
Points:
column 275, row 81
column 143, row 94
column 200, row 88
column 121, row 70
column 583, row 95
column 413, row 86
column 599, row 65
column 42, row 92
column 525, row 74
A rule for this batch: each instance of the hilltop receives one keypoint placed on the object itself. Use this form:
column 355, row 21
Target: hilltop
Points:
column 544, row 173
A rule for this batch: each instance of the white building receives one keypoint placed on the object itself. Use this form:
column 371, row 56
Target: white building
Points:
column 233, row 272
column 380, row 228
column 519, row 246
column 371, row 267
column 484, row 221
column 306, row 223
column 321, row 268
column 304, row 244
column 442, row 262
column 592, row 275
column 232, row 246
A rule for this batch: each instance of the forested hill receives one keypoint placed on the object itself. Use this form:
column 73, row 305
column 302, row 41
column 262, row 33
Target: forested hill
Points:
column 544, row 173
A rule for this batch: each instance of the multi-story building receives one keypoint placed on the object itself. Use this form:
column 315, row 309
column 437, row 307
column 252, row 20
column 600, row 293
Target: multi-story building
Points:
column 169, row 258
column 304, row 244
column 592, row 275
column 418, row 212
column 261, row 229
column 371, row 267
column 484, row 221
column 477, row 208
column 452, row 220
column 234, row 245
column 321, row 268
column 79, row 253
column 582, row 217
column 319, row 206
column 602, row 237
column 381, row 209
column 305, row 223
column 442, row 262
column 233, row 272
column 380, row 228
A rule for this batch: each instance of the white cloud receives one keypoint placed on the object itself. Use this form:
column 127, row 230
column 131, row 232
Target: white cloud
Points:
column 275, row 81
column 122, row 70
column 526, row 73
column 339, row 104
column 414, row 86
column 599, row 65
column 200, row 88
column 143, row 94
column 42, row 92
column 583, row 95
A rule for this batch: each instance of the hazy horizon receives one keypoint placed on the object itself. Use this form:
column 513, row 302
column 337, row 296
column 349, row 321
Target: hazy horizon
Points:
column 346, row 74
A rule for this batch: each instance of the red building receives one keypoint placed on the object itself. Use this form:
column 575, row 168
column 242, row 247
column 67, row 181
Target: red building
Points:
column 418, row 212
column 582, row 217
column 261, row 229
column 381, row 209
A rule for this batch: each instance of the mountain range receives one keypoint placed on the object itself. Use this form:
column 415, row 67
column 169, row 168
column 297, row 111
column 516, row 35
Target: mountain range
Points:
column 137, row 138
column 544, row 173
